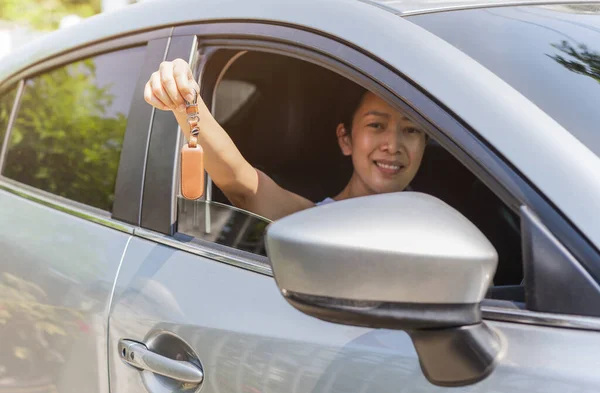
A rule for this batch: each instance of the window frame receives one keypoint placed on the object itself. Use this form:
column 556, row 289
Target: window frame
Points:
column 455, row 136
column 156, row 206
column 13, row 113
column 155, row 43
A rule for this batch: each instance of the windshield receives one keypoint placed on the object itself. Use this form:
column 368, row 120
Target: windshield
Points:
column 551, row 54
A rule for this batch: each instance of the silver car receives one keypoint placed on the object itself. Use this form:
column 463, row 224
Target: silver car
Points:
column 484, row 277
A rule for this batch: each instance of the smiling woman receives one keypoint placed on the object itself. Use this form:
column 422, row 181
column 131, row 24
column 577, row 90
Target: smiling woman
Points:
column 386, row 148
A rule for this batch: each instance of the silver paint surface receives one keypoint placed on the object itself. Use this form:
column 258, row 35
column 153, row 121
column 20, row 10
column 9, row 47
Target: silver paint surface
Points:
column 250, row 340
column 56, row 277
column 404, row 247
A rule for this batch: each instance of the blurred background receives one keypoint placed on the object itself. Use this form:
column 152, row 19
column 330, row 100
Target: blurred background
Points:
column 23, row 20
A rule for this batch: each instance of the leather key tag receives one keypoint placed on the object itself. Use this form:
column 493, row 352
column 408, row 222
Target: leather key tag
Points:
column 192, row 157
column 192, row 170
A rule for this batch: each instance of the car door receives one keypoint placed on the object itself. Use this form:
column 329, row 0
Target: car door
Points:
column 193, row 313
column 64, row 125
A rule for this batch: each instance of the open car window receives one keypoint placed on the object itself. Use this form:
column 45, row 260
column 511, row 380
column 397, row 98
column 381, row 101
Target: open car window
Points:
column 282, row 114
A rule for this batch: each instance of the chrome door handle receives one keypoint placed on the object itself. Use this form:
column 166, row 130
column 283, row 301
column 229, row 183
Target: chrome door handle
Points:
column 140, row 357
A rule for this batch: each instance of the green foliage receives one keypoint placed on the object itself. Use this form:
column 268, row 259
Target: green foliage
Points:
column 580, row 59
column 62, row 141
column 6, row 102
column 46, row 14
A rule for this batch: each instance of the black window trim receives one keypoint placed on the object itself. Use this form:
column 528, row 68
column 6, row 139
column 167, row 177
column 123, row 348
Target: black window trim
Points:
column 159, row 188
column 57, row 202
column 461, row 141
column 129, row 185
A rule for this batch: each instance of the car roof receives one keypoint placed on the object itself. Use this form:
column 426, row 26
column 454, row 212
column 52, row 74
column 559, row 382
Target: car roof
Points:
column 154, row 14
column 412, row 7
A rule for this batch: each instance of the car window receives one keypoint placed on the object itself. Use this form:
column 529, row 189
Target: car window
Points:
column 7, row 100
column 222, row 224
column 286, row 128
column 550, row 53
column 69, row 129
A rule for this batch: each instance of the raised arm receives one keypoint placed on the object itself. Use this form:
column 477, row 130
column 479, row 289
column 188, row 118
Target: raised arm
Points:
column 245, row 186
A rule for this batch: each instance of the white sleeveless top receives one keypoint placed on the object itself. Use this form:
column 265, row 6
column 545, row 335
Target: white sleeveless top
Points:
column 329, row 200
column 325, row 201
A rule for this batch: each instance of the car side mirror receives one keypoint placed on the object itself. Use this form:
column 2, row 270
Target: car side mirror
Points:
column 404, row 261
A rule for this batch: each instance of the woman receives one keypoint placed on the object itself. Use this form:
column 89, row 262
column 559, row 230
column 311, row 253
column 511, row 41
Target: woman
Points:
column 386, row 148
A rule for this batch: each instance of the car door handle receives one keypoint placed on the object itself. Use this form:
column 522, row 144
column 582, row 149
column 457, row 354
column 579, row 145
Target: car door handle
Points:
column 139, row 356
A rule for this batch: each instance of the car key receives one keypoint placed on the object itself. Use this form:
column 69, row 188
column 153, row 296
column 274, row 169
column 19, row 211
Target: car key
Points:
column 192, row 156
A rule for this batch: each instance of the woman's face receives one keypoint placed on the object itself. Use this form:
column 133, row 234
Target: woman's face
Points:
column 386, row 147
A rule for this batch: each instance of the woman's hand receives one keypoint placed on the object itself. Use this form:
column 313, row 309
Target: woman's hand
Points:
column 168, row 86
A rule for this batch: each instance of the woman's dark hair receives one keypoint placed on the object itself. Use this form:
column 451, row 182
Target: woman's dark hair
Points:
column 352, row 99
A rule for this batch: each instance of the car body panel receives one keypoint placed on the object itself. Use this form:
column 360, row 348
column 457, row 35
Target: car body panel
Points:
column 54, row 297
column 250, row 340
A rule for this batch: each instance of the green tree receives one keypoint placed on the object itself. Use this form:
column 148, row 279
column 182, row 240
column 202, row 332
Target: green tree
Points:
column 6, row 102
column 580, row 59
column 46, row 14
column 63, row 141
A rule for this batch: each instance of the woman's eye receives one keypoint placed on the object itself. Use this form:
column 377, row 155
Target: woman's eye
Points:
column 412, row 130
column 377, row 126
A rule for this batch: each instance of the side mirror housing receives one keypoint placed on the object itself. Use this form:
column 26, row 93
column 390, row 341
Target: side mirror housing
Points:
column 404, row 261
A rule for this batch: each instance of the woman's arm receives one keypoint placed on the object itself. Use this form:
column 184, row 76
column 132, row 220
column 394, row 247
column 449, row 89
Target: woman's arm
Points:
column 246, row 187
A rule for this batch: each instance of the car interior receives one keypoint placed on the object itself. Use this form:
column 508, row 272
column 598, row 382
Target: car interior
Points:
column 282, row 113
